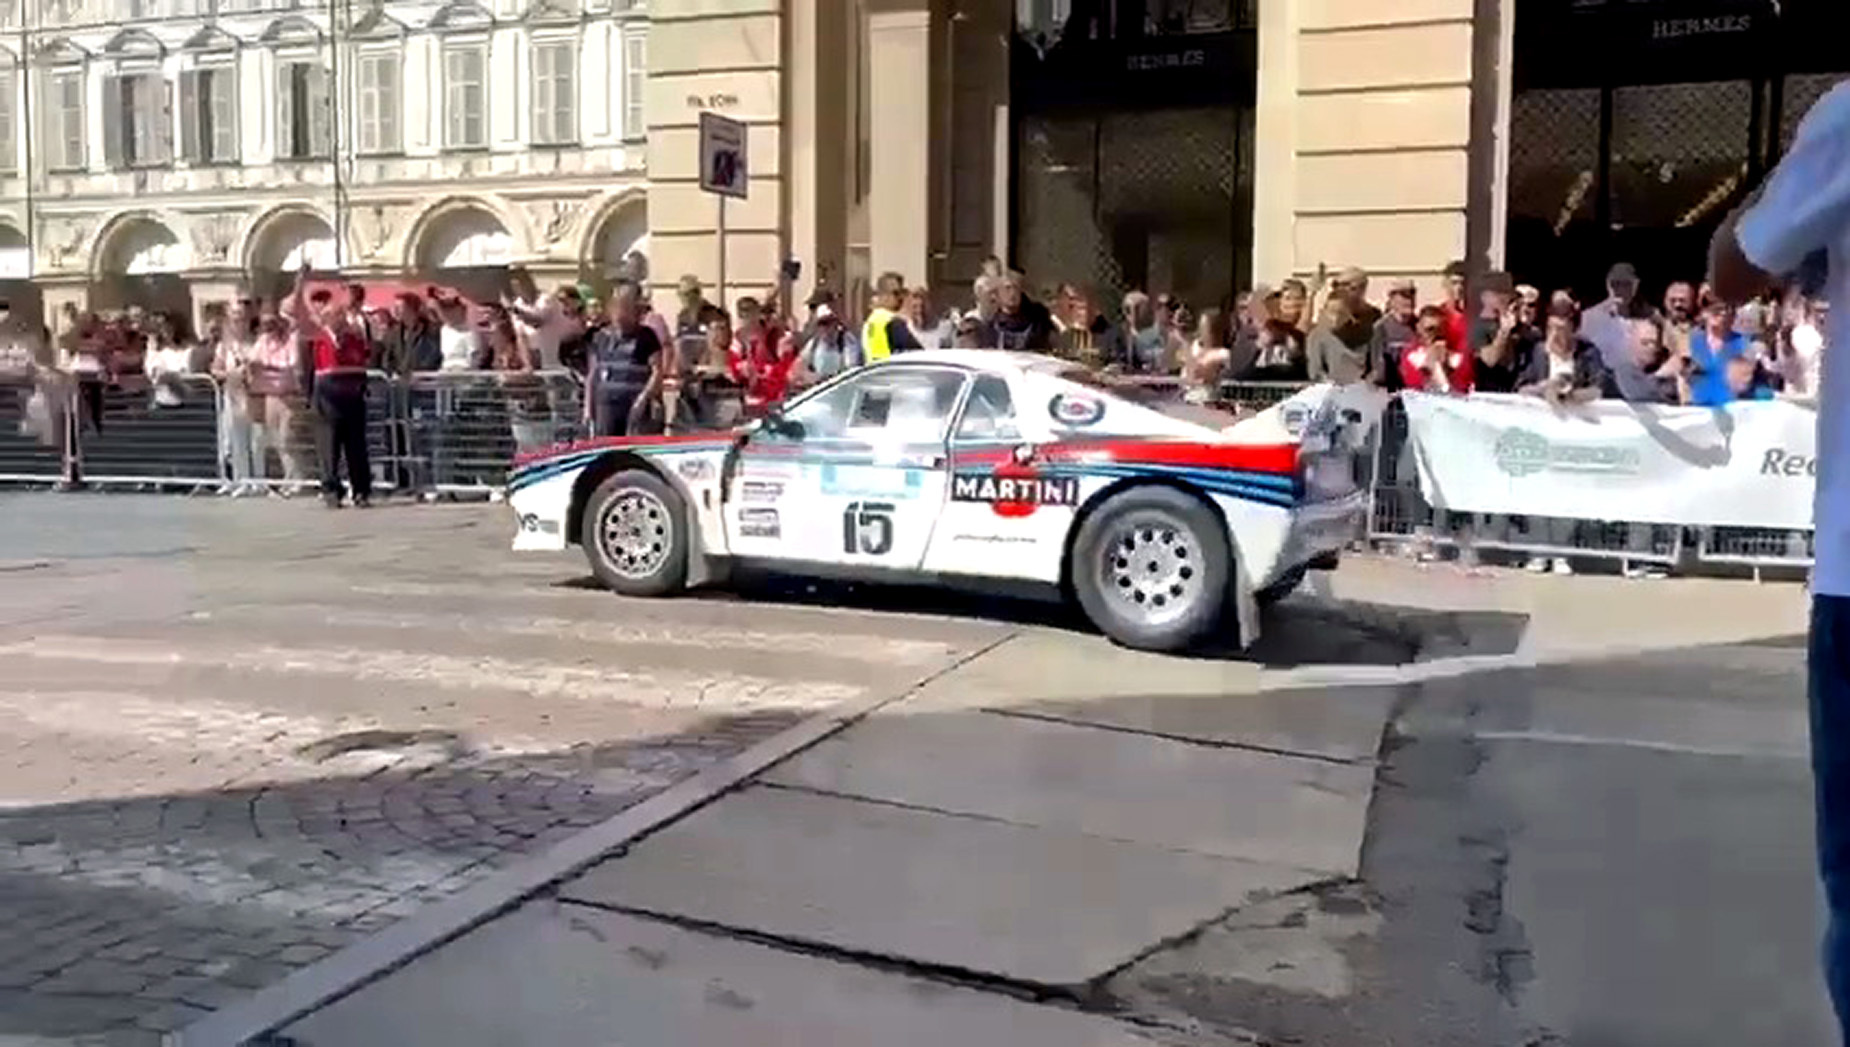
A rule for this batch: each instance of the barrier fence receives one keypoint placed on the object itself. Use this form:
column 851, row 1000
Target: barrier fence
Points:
column 456, row 433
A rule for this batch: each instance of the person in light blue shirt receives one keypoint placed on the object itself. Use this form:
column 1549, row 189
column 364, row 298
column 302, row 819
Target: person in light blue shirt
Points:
column 1795, row 231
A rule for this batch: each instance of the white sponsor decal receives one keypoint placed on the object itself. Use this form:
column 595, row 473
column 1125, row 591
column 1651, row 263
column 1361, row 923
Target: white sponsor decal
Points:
column 760, row 492
column 760, row 523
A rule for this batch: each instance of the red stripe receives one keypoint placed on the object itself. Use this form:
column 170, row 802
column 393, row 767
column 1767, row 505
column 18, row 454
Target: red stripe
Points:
column 616, row 442
column 1258, row 458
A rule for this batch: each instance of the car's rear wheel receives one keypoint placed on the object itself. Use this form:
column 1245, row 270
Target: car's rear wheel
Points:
column 1151, row 567
column 635, row 535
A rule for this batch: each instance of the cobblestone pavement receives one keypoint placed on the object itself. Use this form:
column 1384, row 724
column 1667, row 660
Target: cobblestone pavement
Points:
column 242, row 735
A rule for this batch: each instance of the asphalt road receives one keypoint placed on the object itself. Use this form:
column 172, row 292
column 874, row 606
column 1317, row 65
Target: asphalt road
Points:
column 241, row 735
column 1605, row 854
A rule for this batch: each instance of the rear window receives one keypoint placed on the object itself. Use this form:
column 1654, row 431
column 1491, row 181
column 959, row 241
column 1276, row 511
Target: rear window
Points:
column 1162, row 395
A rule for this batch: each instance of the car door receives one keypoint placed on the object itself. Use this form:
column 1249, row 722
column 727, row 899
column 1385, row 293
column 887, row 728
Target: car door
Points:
column 857, row 473
column 1006, row 516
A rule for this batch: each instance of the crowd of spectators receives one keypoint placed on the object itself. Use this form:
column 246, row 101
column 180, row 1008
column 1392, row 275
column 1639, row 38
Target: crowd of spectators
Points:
column 639, row 369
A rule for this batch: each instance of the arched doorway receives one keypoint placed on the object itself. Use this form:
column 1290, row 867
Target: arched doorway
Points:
column 283, row 243
column 466, row 247
column 24, row 305
column 138, row 264
column 620, row 245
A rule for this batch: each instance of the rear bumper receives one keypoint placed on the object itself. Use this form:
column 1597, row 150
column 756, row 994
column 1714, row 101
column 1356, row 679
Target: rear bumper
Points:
column 1320, row 531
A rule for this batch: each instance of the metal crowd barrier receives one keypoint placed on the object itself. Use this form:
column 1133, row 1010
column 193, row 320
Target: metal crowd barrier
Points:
column 451, row 433
column 32, row 428
column 461, row 430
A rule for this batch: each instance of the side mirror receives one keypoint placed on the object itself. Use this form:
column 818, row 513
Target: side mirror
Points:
column 777, row 425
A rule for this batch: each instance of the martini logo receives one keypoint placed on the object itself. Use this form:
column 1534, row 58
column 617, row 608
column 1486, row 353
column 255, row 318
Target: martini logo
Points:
column 1012, row 493
column 1075, row 411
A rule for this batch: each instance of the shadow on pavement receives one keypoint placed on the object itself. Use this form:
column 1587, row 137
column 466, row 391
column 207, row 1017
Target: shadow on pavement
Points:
column 1300, row 631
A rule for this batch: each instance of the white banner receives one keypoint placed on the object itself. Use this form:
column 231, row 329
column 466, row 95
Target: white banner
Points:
column 1746, row 465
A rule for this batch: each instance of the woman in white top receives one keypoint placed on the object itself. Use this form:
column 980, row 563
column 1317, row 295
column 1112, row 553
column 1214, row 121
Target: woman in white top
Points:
column 1802, row 357
column 242, row 436
column 458, row 340
column 914, row 309
column 165, row 362
column 1208, row 357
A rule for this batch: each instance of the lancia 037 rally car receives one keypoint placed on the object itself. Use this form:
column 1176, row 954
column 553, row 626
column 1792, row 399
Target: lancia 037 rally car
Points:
column 1164, row 523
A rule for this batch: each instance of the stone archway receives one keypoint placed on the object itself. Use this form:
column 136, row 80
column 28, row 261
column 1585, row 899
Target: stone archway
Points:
column 138, row 261
column 620, row 246
column 287, row 240
column 464, row 236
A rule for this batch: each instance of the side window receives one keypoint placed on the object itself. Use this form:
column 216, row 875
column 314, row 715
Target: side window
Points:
column 989, row 415
column 884, row 406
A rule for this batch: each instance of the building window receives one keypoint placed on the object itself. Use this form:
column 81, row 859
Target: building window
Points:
column 555, row 92
column 304, row 117
column 9, row 122
column 635, row 80
column 137, row 120
column 378, row 97
column 64, row 120
column 465, row 96
column 209, row 115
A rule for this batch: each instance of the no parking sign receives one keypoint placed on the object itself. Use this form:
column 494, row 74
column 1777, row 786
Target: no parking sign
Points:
column 723, row 167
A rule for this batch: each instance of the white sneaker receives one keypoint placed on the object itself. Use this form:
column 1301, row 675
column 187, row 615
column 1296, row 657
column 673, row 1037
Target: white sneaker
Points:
column 1645, row 570
column 1561, row 566
column 1536, row 565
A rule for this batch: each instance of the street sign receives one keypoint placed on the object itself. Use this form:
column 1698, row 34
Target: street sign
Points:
column 723, row 167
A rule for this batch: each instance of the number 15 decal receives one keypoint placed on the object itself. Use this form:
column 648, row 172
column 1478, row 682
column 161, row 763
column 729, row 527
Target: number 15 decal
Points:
column 867, row 528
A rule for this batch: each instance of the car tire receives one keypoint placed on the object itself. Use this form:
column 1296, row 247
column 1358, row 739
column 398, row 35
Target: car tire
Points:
column 1283, row 586
column 635, row 534
column 1152, row 568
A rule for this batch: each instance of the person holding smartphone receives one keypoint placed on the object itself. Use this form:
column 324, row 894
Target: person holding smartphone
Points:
column 1795, row 230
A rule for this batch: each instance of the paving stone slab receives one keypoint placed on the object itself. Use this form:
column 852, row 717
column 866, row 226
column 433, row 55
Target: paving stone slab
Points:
column 566, row 975
column 1229, row 802
column 1336, row 723
column 1047, row 906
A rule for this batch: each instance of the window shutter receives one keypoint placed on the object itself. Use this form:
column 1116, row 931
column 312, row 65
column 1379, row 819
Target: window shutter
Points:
column 286, row 137
column 194, row 117
column 452, row 98
column 320, row 112
column 163, row 129
column 50, row 121
column 542, row 93
column 565, row 93
column 115, row 123
column 388, row 87
column 221, row 102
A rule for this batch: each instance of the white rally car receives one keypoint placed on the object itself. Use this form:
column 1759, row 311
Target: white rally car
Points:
column 979, row 466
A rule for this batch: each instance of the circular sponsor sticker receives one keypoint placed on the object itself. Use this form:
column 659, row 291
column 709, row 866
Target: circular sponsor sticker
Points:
column 1075, row 411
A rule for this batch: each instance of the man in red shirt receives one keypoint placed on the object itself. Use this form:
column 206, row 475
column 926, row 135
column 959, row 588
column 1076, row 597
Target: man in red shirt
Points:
column 337, row 353
column 1457, row 314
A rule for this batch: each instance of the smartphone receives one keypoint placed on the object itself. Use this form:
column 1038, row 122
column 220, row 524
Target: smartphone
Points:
column 792, row 270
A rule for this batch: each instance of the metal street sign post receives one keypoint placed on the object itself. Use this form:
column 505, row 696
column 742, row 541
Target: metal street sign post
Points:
column 723, row 172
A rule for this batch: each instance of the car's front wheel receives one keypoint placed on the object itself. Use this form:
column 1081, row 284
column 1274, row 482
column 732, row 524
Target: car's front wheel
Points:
column 635, row 535
column 1151, row 567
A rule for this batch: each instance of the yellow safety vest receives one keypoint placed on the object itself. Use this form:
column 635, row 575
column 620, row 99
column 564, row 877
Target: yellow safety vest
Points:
column 874, row 344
